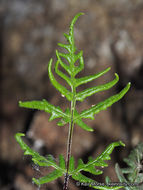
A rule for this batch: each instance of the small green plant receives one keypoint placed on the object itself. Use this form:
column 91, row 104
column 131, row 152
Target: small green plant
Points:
column 71, row 117
column 132, row 176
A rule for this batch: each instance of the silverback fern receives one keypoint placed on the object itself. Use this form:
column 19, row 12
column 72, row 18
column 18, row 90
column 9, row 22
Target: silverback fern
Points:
column 132, row 176
column 71, row 117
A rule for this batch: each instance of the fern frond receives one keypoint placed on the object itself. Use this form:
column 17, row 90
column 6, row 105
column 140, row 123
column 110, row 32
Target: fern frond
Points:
column 72, row 69
column 65, row 66
column 86, row 79
column 90, row 91
column 90, row 167
column 89, row 113
column 74, row 82
column 58, row 86
column 56, row 112
column 59, row 170
column 72, row 116
column 133, row 174
column 99, row 161
column 121, row 177
column 48, row 178
column 62, row 75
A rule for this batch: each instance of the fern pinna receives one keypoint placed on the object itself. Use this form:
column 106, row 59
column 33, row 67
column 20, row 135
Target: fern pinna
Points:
column 72, row 116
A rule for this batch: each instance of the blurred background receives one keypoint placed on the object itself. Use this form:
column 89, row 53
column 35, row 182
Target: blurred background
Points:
column 110, row 35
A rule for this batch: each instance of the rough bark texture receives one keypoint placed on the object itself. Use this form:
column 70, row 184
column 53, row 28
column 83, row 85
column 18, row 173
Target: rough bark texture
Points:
column 110, row 34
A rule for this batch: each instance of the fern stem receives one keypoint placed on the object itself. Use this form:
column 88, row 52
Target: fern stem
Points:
column 69, row 142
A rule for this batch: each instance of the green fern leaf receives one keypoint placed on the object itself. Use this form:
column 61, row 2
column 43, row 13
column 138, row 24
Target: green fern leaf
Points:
column 62, row 75
column 65, row 66
column 42, row 161
column 99, row 161
column 89, row 113
column 48, row 178
column 86, row 79
column 90, row 167
column 72, row 116
column 90, row 91
column 71, row 164
column 74, row 82
column 107, row 187
column 78, row 121
column 106, row 154
column 83, row 125
column 58, row 86
column 56, row 112
column 92, row 183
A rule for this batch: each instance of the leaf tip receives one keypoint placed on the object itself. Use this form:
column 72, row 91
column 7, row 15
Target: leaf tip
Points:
column 129, row 84
column 121, row 143
column 75, row 18
column 20, row 103
column 18, row 135
column 91, row 130
column 79, row 14
column 57, row 50
column 117, row 76
column 50, row 62
column 36, row 181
